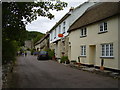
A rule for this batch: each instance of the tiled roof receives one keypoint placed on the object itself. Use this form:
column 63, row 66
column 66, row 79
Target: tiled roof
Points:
column 43, row 38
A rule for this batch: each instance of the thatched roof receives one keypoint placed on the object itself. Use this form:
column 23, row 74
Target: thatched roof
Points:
column 66, row 16
column 96, row 13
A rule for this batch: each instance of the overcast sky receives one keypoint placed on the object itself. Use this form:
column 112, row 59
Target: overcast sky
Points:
column 43, row 24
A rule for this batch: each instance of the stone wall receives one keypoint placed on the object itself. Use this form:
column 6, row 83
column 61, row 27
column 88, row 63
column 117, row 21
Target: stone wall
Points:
column 60, row 47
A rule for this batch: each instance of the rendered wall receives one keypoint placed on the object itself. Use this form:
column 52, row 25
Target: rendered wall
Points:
column 95, row 39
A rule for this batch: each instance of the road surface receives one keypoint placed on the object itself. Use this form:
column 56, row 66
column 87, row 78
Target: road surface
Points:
column 31, row 73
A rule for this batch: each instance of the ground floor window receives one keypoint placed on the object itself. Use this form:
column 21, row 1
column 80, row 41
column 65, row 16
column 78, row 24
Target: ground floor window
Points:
column 83, row 50
column 107, row 50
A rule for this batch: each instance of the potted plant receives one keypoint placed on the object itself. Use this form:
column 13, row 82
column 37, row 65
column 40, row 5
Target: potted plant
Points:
column 51, row 54
column 64, row 59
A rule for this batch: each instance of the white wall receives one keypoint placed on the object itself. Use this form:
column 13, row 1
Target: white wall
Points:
column 119, row 41
column 37, row 46
column 71, row 19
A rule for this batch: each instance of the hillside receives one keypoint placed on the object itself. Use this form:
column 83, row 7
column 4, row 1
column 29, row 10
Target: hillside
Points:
column 34, row 35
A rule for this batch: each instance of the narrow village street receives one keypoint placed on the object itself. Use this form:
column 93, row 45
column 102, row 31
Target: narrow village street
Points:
column 31, row 73
column 79, row 37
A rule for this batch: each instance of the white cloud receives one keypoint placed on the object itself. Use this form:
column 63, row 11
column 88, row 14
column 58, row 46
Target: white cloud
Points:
column 43, row 24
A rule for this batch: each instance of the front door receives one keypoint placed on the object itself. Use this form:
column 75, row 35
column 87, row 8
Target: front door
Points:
column 92, row 54
column 56, row 50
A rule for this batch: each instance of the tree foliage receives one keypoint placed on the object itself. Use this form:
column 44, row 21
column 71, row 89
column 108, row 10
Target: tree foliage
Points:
column 15, row 16
column 34, row 35
column 8, row 51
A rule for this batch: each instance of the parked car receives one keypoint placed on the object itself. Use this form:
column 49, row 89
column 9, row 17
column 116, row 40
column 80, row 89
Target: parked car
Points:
column 43, row 55
column 35, row 53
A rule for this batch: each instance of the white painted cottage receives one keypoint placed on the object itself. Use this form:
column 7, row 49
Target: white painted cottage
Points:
column 61, row 45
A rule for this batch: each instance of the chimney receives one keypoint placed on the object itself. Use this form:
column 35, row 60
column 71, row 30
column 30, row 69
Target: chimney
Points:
column 70, row 10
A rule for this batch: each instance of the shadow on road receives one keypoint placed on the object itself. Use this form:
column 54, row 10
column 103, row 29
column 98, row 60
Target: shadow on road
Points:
column 43, row 60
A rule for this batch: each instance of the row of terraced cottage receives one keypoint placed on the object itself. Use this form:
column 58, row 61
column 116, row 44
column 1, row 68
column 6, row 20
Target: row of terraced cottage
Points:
column 90, row 35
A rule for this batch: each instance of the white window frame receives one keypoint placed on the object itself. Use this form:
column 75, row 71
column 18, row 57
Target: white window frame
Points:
column 51, row 37
column 83, row 50
column 83, row 32
column 103, row 27
column 59, row 29
column 55, row 33
column 64, row 23
column 107, row 50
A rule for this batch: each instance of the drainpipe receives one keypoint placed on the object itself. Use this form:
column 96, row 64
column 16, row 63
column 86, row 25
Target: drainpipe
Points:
column 79, row 60
column 102, row 63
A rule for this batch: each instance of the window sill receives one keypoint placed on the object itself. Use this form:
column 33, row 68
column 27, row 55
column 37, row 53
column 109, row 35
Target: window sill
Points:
column 102, row 32
column 83, row 36
column 83, row 56
column 103, row 57
column 63, row 33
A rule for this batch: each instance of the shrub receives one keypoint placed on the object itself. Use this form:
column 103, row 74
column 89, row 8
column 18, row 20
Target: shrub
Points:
column 28, row 49
column 9, row 51
column 51, row 53
column 32, row 51
column 64, row 59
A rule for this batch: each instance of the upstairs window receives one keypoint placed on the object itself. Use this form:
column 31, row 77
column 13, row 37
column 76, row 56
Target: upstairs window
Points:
column 103, row 27
column 59, row 29
column 64, row 27
column 107, row 50
column 55, row 34
column 83, row 50
column 51, row 37
column 83, row 32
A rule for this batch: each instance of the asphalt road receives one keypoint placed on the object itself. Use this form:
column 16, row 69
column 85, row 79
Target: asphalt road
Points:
column 31, row 73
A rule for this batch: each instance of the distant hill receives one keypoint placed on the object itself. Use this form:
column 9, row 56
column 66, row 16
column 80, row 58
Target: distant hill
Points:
column 34, row 35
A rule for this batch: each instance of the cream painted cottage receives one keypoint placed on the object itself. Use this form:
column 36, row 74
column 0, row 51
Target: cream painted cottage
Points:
column 94, row 38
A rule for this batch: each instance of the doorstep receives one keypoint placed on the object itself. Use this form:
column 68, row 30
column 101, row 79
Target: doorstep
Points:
column 96, row 71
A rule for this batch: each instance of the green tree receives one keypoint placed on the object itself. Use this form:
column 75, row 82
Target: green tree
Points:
column 16, row 15
column 9, row 51
column 34, row 35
